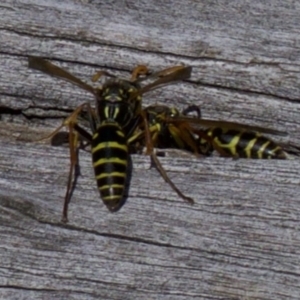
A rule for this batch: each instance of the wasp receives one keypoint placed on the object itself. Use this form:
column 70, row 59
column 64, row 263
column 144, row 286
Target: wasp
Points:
column 112, row 123
column 171, row 128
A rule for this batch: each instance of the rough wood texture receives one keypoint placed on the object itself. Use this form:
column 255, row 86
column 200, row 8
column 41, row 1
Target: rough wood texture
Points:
column 239, row 241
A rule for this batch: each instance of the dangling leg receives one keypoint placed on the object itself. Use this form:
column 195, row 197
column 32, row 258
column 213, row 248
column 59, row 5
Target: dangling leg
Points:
column 168, row 180
column 70, row 122
column 150, row 151
column 148, row 139
column 74, row 132
column 73, row 146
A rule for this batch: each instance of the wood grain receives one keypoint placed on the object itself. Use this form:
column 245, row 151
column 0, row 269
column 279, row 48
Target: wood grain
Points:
column 241, row 238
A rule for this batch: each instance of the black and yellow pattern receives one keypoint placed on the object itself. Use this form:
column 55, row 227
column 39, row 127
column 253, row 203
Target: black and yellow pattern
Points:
column 173, row 129
column 244, row 144
column 112, row 122
column 168, row 135
column 110, row 161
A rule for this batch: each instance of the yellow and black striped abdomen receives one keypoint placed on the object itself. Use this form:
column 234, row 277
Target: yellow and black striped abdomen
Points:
column 110, row 160
column 245, row 144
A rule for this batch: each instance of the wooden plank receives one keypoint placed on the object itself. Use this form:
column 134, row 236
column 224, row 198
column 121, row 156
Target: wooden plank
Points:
column 239, row 241
column 222, row 246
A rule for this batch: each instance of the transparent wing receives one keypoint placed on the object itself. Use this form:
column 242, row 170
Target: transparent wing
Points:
column 198, row 124
column 47, row 67
column 165, row 77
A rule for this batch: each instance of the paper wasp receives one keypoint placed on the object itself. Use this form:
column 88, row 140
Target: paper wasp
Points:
column 171, row 129
column 117, row 114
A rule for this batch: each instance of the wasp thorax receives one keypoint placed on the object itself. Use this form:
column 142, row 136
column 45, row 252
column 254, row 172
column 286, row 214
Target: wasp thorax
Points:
column 117, row 90
column 118, row 101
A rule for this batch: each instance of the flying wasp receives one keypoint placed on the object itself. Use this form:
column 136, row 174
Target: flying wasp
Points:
column 118, row 112
column 171, row 128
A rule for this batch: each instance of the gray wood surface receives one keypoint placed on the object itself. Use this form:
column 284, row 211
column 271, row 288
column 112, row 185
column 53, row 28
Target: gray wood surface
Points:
column 241, row 238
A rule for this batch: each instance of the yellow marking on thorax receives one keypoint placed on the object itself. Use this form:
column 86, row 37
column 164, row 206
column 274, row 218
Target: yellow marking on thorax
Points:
column 116, row 111
column 106, row 112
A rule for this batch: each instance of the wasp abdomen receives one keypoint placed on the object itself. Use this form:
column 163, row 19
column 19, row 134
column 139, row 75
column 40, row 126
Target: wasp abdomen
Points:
column 110, row 160
column 245, row 144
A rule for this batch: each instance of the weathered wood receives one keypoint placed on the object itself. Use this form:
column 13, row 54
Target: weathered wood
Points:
column 239, row 241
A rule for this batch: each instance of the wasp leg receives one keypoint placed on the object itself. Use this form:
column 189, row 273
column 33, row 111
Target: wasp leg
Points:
column 150, row 151
column 73, row 141
column 136, row 136
column 71, row 119
column 136, row 141
column 182, row 133
column 62, row 138
column 168, row 180
column 75, row 131
column 148, row 139
column 70, row 122
column 138, row 71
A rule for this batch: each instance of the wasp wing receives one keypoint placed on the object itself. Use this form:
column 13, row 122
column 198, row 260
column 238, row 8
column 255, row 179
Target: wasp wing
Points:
column 290, row 148
column 167, row 76
column 198, row 124
column 40, row 64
